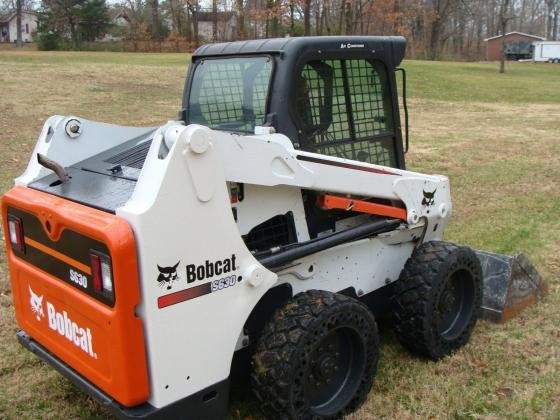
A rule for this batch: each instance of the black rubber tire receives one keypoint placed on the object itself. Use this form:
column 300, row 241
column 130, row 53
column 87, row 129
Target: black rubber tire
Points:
column 285, row 367
column 437, row 299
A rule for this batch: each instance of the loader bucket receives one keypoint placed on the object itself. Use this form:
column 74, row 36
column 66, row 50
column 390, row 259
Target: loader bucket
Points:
column 510, row 285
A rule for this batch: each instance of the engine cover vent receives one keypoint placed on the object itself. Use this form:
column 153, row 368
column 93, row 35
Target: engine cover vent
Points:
column 133, row 157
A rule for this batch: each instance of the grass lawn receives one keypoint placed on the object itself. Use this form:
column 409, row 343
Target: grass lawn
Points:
column 496, row 136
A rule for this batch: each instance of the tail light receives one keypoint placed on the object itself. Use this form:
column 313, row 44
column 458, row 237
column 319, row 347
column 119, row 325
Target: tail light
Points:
column 15, row 230
column 102, row 273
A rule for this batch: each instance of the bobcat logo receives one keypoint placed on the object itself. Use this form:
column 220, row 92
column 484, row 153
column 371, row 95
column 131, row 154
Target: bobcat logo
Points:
column 428, row 199
column 167, row 275
column 36, row 304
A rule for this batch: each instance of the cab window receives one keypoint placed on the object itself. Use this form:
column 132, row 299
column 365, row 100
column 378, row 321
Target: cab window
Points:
column 230, row 93
column 344, row 109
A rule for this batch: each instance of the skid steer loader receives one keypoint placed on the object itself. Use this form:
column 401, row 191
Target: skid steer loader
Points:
column 263, row 229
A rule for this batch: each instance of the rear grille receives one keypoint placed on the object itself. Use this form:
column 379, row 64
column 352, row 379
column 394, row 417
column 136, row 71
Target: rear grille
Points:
column 133, row 157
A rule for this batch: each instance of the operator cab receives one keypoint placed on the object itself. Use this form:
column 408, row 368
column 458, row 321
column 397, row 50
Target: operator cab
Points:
column 335, row 96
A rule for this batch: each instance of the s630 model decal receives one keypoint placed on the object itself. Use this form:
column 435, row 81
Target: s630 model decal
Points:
column 223, row 283
column 201, row 272
column 78, row 279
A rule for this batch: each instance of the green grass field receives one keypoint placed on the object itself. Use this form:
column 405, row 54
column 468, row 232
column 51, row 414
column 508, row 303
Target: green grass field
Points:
column 496, row 136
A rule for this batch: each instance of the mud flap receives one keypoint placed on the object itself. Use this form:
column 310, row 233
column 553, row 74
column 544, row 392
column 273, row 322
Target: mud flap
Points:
column 510, row 285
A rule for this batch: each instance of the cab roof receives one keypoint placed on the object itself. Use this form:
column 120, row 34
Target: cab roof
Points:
column 330, row 45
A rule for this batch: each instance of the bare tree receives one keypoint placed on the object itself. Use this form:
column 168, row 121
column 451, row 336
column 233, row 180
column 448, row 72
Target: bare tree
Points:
column 553, row 12
column 240, row 19
column 292, row 9
column 214, row 20
column 441, row 10
column 156, row 26
column 307, row 17
column 504, row 19
column 192, row 7
column 433, row 28
column 19, row 10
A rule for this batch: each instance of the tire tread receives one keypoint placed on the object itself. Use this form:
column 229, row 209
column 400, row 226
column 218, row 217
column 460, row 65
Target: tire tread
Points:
column 414, row 295
column 281, row 341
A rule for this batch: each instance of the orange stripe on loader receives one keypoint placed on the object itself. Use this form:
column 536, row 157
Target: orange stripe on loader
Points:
column 59, row 256
column 330, row 202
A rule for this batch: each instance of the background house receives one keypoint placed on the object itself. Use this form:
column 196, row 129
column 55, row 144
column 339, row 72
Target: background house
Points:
column 227, row 22
column 120, row 25
column 8, row 26
column 518, row 46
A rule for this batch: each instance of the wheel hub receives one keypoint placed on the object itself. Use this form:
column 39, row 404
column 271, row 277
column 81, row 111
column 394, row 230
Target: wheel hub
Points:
column 447, row 299
column 455, row 304
column 325, row 367
column 333, row 371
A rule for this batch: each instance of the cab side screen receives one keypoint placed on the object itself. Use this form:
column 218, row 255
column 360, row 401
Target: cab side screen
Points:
column 344, row 109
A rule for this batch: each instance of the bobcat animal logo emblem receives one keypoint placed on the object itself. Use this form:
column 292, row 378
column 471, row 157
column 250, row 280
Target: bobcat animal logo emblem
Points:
column 36, row 302
column 428, row 199
column 167, row 275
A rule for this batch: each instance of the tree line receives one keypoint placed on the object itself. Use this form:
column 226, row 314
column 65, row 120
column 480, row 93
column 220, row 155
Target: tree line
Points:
column 434, row 28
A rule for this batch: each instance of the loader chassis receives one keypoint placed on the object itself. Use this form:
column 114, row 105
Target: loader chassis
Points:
column 284, row 176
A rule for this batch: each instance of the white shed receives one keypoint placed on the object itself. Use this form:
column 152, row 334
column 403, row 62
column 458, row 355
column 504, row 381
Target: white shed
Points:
column 546, row 50
column 8, row 26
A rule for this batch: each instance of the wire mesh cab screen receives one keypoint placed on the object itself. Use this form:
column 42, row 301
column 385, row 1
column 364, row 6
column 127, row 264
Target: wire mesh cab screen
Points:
column 344, row 109
column 230, row 93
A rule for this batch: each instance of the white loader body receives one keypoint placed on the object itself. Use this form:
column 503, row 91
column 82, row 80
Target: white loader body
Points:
column 181, row 213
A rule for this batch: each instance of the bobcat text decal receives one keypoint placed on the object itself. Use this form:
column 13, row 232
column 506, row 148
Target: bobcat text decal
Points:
column 222, row 268
column 62, row 324
column 210, row 269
